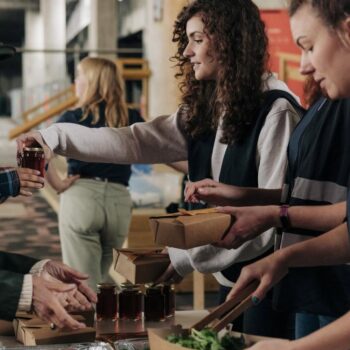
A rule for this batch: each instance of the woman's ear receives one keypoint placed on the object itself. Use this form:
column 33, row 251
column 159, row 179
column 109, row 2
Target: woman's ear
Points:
column 345, row 32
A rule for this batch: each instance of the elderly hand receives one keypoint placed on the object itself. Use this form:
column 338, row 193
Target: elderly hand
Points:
column 66, row 274
column 49, row 300
column 268, row 271
column 249, row 222
column 30, row 139
column 29, row 179
column 210, row 191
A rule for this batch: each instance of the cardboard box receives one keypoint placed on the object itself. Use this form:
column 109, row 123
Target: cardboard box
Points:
column 189, row 231
column 30, row 330
column 140, row 265
column 158, row 338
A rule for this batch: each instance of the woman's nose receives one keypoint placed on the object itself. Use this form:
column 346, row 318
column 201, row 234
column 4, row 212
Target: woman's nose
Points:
column 306, row 66
column 188, row 51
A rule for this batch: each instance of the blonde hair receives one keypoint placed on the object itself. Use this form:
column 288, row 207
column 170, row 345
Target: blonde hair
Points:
column 104, row 84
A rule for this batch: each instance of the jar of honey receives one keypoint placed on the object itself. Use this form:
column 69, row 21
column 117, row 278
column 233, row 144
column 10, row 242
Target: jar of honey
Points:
column 169, row 296
column 106, row 307
column 154, row 303
column 130, row 302
column 32, row 158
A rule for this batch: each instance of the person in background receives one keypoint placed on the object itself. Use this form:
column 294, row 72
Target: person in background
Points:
column 95, row 204
column 45, row 286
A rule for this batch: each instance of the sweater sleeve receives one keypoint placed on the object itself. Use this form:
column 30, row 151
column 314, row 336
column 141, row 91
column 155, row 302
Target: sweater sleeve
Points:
column 271, row 157
column 180, row 261
column 139, row 143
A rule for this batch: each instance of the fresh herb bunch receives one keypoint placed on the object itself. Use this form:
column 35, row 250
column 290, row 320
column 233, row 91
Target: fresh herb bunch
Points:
column 207, row 339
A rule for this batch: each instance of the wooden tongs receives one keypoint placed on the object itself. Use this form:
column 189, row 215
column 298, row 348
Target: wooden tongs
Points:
column 229, row 310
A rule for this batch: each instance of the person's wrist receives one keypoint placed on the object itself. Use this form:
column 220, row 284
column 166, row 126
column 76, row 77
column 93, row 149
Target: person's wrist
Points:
column 284, row 217
column 274, row 215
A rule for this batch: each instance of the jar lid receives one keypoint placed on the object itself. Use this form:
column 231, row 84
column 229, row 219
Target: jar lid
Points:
column 106, row 285
column 33, row 149
column 130, row 286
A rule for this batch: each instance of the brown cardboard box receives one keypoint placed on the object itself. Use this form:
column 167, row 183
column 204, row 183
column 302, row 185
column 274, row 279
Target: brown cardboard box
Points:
column 30, row 330
column 157, row 338
column 140, row 265
column 191, row 230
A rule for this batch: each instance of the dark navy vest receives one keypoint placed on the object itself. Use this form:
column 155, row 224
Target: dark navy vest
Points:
column 318, row 155
column 239, row 163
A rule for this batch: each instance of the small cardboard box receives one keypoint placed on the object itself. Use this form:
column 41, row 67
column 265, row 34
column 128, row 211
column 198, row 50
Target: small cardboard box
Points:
column 158, row 338
column 187, row 231
column 30, row 330
column 140, row 265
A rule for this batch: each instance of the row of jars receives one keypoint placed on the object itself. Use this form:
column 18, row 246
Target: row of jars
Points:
column 156, row 303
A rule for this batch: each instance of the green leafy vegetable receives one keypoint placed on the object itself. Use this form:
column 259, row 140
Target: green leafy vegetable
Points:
column 207, row 339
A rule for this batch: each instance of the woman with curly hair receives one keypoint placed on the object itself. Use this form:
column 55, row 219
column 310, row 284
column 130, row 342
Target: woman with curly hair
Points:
column 233, row 125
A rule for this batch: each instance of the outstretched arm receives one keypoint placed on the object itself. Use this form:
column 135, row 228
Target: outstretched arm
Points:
column 335, row 336
column 158, row 141
column 331, row 248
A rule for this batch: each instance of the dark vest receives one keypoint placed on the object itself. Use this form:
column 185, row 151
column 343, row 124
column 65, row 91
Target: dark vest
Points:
column 318, row 154
column 239, row 163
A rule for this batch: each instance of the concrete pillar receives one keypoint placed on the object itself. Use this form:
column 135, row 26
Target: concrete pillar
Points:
column 33, row 63
column 54, row 22
column 103, row 27
column 45, row 30
column 163, row 88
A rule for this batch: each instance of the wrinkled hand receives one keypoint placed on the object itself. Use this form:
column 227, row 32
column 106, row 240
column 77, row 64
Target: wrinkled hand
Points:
column 170, row 275
column 29, row 179
column 66, row 274
column 277, row 344
column 67, row 182
column 249, row 222
column 268, row 271
column 49, row 300
column 210, row 191
column 30, row 139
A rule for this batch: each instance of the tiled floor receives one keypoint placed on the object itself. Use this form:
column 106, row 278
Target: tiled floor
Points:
column 29, row 226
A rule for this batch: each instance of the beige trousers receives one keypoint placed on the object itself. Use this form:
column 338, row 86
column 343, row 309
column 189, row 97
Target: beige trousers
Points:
column 94, row 218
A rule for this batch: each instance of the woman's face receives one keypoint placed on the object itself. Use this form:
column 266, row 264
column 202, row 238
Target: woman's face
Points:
column 198, row 50
column 81, row 82
column 324, row 55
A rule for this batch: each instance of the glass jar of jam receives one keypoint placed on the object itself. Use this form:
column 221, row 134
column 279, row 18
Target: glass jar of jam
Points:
column 106, row 307
column 154, row 303
column 130, row 302
column 32, row 158
column 169, row 296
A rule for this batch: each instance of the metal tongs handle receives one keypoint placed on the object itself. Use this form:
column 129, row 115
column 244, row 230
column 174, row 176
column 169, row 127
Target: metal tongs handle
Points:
column 230, row 309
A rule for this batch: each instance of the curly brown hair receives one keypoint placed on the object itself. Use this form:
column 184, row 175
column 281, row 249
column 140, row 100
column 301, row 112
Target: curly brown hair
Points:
column 240, row 43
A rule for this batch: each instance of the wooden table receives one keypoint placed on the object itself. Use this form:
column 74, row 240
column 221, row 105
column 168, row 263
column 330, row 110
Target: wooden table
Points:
column 185, row 318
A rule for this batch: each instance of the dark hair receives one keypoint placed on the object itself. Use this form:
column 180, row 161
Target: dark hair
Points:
column 312, row 91
column 331, row 11
column 240, row 44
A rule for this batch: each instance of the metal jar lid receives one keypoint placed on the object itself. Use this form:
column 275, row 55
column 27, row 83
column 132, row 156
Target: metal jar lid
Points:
column 106, row 285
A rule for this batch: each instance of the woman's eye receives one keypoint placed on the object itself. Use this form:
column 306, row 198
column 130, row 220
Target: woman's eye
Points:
column 198, row 41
